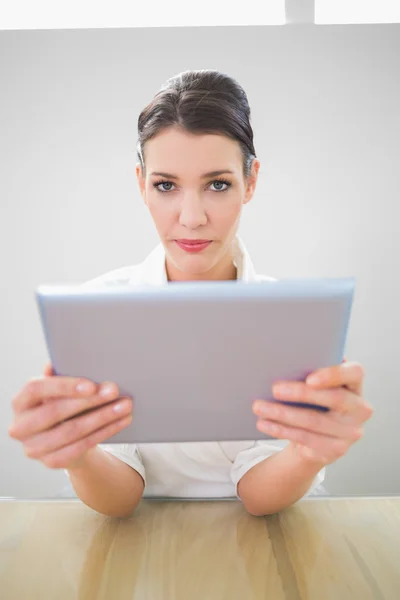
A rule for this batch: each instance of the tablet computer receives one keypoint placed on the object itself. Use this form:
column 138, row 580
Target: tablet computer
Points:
column 195, row 355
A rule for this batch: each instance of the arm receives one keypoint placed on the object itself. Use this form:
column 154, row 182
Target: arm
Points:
column 106, row 484
column 277, row 482
column 315, row 439
column 61, row 420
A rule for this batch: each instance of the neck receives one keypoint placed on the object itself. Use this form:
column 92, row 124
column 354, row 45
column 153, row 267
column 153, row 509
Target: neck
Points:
column 223, row 271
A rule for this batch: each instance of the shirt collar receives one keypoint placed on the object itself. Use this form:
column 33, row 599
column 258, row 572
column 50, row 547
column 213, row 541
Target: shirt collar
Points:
column 154, row 271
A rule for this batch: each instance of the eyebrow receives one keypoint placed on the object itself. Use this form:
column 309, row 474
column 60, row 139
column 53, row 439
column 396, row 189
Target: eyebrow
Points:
column 204, row 176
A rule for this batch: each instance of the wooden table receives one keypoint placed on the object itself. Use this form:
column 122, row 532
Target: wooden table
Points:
column 320, row 549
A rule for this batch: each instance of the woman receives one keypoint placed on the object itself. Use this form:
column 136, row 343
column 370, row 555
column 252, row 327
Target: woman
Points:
column 197, row 169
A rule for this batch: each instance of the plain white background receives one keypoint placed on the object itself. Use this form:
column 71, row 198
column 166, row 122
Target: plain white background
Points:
column 46, row 14
column 325, row 104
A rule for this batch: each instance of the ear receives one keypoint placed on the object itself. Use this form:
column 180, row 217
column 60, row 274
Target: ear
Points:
column 252, row 181
column 141, row 180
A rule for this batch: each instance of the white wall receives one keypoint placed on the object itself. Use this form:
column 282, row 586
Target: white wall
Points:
column 325, row 104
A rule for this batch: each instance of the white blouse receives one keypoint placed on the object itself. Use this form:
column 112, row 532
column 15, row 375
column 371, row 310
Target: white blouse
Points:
column 191, row 470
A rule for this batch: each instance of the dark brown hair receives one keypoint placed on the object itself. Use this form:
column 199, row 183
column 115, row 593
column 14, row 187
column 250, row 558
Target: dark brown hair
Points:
column 202, row 102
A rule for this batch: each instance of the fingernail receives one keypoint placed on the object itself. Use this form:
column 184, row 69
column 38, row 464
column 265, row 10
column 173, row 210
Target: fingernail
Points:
column 269, row 427
column 84, row 387
column 107, row 390
column 258, row 407
column 283, row 390
column 123, row 406
column 313, row 380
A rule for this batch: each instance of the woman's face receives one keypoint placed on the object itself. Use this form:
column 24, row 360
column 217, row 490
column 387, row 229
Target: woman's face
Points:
column 195, row 189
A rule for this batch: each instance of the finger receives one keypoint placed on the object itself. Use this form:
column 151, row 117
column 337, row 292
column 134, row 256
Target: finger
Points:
column 41, row 418
column 76, row 429
column 66, row 455
column 348, row 374
column 328, row 448
column 48, row 370
column 310, row 420
column 41, row 389
column 337, row 399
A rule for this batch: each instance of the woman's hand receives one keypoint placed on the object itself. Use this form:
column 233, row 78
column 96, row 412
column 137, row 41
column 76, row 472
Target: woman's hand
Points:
column 321, row 437
column 48, row 418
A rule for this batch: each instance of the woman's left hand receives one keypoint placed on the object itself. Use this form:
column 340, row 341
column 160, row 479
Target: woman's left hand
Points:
column 321, row 437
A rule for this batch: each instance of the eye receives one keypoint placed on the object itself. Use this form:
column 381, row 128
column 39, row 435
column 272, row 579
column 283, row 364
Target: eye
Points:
column 219, row 183
column 157, row 185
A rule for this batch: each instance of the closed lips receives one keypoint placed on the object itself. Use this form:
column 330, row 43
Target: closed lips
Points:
column 193, row 242
column 193, row 246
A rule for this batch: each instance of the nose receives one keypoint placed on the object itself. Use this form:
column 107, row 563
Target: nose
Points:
column 192, row 213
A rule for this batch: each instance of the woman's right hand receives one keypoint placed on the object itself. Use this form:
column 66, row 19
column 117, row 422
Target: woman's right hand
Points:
column 48, row 422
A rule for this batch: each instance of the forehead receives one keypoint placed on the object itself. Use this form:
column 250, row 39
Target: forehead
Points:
column 175, row 150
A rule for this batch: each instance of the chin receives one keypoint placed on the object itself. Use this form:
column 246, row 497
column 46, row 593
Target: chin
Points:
column 192, row 264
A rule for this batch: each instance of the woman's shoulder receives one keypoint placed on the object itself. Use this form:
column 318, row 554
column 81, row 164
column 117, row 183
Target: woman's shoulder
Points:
column 260, row 277
column 127, row 275
column 150, row 270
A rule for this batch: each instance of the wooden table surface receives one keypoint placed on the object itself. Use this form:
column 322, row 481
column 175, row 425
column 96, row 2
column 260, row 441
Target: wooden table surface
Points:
column 319, row 549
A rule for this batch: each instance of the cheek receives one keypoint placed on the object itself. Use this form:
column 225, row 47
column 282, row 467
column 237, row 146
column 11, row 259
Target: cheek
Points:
column 226, row 215
column 162, row 213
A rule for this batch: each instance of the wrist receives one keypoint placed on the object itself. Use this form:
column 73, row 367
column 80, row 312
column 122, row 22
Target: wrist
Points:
column 84, row 460
column 307, row 463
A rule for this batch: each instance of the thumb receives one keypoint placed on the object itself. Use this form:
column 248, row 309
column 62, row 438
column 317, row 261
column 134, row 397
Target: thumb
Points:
column 48, row 370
